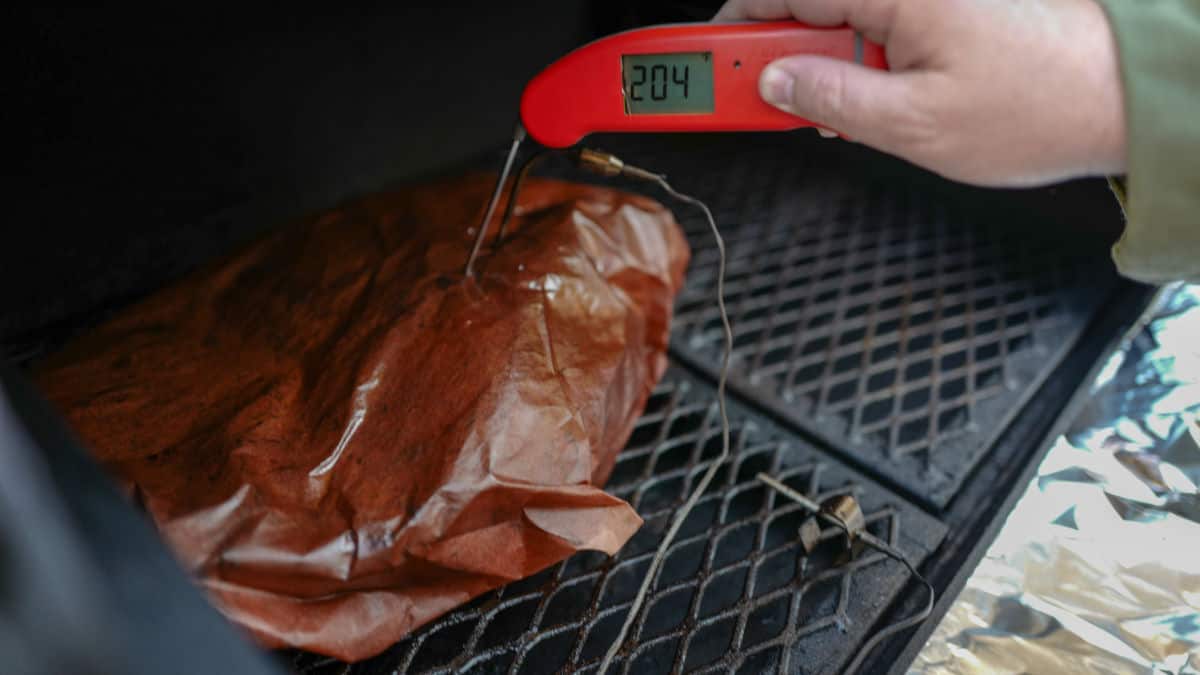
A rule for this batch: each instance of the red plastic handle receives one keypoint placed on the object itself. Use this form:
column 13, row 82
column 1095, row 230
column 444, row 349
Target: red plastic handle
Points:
column 582, row 92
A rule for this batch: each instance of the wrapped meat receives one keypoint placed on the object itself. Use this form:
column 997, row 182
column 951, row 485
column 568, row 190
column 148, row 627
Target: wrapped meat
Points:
column 343, row 438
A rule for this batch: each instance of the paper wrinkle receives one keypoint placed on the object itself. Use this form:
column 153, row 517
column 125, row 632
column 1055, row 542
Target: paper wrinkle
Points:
column 344, row 438
column 356, row 419
column 1097, row 569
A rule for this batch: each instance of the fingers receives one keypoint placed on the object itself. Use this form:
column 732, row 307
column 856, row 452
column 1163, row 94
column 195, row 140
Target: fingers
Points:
column 870, row 106
column 815, row 12
column 753, row 10
column 873, row 18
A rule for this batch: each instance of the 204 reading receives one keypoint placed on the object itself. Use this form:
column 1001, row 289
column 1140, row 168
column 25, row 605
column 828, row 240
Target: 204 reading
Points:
column 666, row 84
column 658, row 81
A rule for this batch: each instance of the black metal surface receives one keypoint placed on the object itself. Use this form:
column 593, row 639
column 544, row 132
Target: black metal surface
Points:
column 827, row 227
column 981, row 509
column 736, row 592
column 901, row 319
column 831, row 246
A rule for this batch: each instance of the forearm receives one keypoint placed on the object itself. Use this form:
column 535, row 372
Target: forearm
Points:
column 1159, row 51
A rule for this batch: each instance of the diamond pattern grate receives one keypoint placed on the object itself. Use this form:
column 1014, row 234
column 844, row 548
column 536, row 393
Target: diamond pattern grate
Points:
column 735, row 594
column 903, row 321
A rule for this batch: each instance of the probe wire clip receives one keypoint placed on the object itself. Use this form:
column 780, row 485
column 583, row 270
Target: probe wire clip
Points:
column 844, row 512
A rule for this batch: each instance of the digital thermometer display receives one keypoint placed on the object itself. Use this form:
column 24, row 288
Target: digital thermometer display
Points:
column 681, row 77
column 679, row 83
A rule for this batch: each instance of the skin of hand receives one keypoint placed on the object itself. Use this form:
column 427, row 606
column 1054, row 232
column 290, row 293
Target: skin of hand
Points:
column 1003, row 93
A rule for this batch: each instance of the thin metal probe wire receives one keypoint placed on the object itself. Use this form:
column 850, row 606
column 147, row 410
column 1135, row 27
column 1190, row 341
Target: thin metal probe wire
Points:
column 783, row 489
column 876, row 543
column 518, row 137
column 899, row 626
column 522, row 173
column 682, row 514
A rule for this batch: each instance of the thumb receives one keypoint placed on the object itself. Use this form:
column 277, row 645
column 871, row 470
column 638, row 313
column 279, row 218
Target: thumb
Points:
column 868, row 105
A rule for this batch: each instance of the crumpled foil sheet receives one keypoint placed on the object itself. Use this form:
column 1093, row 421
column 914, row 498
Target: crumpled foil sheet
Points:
column 1097, row 569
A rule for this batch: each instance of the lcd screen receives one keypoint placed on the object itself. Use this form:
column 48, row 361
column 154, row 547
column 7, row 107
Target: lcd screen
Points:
column 668, row 84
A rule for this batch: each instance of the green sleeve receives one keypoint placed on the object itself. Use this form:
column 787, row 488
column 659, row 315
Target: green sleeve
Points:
column 1159, row 46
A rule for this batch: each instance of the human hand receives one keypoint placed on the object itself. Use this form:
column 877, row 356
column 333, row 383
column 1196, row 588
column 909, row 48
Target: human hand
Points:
column 991, row 92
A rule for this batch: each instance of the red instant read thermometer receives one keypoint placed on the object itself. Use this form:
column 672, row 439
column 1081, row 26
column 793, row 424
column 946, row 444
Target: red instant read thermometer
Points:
column 680, row 77
column 683, row 77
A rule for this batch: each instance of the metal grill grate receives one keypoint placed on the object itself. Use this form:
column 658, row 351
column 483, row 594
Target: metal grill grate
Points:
column 901, row 320
column 736, row 592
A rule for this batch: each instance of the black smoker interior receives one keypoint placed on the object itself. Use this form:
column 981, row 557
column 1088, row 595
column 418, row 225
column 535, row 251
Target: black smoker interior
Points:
column 163, row 139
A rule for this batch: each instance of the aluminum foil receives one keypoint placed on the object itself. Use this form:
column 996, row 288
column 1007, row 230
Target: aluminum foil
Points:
column 1097, row 569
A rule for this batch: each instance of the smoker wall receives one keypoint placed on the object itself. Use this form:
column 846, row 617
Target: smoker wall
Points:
column 158, row 140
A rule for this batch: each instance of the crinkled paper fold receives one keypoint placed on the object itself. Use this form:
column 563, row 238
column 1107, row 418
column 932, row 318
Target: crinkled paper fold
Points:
column 343, row 438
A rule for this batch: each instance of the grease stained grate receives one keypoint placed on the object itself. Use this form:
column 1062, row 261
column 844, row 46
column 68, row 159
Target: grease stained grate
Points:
column 900, row 319
column 735, row 593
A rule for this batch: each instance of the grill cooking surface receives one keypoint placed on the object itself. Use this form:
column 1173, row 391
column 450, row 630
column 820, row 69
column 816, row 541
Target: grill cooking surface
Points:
column 902, row 320
column 736, row 591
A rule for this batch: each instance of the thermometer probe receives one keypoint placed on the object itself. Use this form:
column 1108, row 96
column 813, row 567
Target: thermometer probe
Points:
column 672, row 78
column 686, row 77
